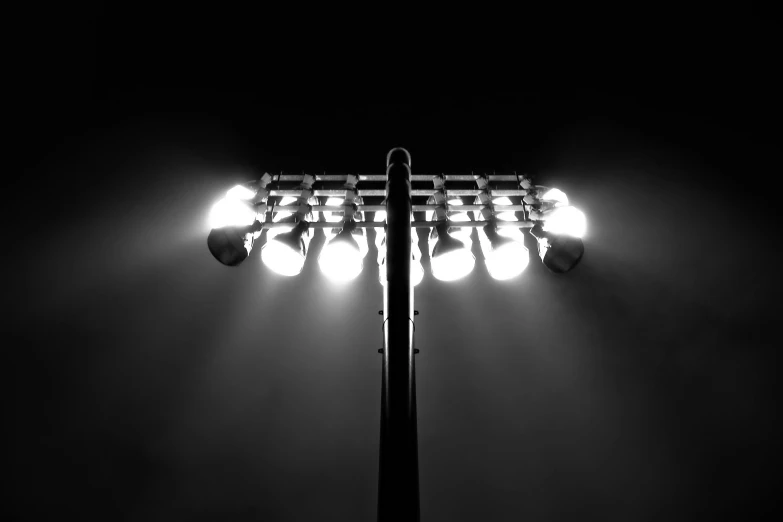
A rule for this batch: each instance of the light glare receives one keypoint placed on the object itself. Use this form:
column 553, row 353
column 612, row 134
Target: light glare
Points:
column 240, row 192
column 453, row 265
column 566, row 220
column 282, row 259
column 555, row 195
column 507, row 261
column 231, row 212
column 340, row 261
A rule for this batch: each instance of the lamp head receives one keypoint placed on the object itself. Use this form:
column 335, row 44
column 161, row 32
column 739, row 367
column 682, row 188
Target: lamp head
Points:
column 559, row 253
column 285, row 253
column 450, row 258
column 505, row 257
column 342, row 258
column 446, row 242
column 231, row 245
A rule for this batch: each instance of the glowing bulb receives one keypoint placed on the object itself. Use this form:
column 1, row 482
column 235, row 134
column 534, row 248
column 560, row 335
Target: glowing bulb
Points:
column 507, row 261
column 556, row 195
column 285, row 251
column 240, row 192
column 504, row 251
column 282, row 259
column 341, row 261
column 233, row 210
column 565, row 220
column 453, row 265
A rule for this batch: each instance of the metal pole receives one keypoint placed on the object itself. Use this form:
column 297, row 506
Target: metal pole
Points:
column 398, row 475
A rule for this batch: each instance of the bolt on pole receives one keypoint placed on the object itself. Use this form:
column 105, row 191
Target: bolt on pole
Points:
column 398, row 474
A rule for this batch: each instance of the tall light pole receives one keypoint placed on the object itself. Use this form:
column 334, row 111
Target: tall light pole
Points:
column 238, row 219
column 398, row 482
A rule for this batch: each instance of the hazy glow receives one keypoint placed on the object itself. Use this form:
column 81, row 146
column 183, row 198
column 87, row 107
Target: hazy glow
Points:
column 556, row 195
column 231, row 212
column 281, row 258
column 453, row 265
column 566, row 220
column 507, row 261
column 340, row 261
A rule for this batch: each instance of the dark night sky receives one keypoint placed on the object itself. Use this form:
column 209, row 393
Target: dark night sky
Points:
column 147, row 382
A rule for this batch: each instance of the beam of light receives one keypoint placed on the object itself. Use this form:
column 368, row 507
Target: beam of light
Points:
column 565, row 220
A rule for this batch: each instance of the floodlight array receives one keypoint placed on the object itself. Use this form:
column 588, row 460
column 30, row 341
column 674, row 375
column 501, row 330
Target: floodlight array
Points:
column 292, row 206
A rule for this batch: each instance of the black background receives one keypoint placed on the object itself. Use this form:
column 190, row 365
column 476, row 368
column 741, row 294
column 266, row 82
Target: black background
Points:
column 147, row 382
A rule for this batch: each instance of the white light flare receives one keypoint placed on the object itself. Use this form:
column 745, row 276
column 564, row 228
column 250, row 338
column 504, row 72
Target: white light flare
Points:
column 234, row 209
column 341, row 261
column 282, row 259
column 565, row 220
column 453, row 265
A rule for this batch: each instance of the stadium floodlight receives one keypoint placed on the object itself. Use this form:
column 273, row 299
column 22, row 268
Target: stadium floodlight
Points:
column 232, row 245
column 237, row 220
column 505, row 254
column 450, row 255
column 342, row 257
column 559, row 252
column 286, row 246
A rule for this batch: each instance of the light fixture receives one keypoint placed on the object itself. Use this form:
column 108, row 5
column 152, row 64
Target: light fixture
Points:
column 450, row 256
column 566, row 220
column 232, row 245
column 554, row 195
column 504, row 251
column 235, row 209
column 285, row 253
column 342, row 257
column 559, row 253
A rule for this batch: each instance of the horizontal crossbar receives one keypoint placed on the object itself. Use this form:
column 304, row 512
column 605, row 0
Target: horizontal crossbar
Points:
column 416, row 208
column 414, row 192
column 382, row 177
column 414, row 224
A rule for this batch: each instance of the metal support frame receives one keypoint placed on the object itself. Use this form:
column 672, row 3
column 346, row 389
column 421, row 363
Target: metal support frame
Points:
column 398, row 474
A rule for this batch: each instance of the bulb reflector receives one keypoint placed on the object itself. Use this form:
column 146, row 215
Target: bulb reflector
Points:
column 340, row 261
column 453, row 265
column 282, row 259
